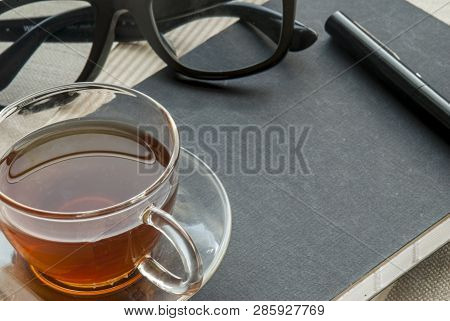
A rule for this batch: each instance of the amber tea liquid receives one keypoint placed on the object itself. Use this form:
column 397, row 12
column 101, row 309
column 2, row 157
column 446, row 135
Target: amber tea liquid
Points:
column 78, row 166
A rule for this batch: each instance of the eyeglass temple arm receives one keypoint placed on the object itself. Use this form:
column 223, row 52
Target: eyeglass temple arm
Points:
column 15, row 56
column 266, row 20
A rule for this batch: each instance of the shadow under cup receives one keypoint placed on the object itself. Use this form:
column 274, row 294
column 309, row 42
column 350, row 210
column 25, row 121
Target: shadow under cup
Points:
column 88, row 179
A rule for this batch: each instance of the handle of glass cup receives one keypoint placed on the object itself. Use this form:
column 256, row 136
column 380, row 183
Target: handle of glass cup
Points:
column 180, row 239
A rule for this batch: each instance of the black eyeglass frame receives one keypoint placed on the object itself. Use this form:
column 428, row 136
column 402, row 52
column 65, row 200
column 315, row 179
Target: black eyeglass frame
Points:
column 112, row 10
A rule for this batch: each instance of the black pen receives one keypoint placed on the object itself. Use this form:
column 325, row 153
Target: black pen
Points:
column 387, row 65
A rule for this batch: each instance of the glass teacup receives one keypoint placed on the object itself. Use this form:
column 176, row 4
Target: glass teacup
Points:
column 88, row 179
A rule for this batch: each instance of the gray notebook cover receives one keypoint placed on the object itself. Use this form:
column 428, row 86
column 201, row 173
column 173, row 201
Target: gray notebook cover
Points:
column 377, row 172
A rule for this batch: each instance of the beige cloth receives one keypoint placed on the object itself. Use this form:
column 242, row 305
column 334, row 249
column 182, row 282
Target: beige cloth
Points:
column 429, row 280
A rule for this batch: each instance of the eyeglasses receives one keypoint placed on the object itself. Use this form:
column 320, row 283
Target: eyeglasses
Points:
column 51, row 39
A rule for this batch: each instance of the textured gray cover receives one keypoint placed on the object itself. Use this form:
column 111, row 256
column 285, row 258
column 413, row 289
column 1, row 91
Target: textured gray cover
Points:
column 380, row 175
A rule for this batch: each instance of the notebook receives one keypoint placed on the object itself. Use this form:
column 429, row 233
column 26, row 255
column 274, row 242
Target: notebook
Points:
column 373, row 173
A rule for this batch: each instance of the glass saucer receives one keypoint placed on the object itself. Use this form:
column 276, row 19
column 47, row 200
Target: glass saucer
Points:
column 202, row 208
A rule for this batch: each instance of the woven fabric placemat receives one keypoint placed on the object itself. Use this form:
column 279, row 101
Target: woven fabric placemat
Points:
column 429, row 280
